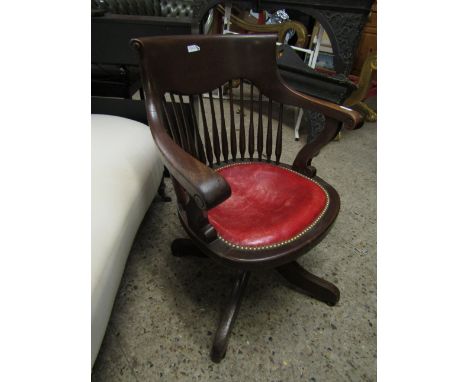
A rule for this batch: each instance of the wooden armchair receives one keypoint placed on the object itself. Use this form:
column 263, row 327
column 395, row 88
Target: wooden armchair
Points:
column 237, row 202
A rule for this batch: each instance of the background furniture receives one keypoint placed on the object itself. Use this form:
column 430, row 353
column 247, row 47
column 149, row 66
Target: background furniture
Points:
column 240, row 25
column 114, row 66
column 312, row 82
column 164, row 8
column 343, row 21
column 366, row 88
column 297, row 72
column 126, row 172
column 237, row 202
column 368, row 41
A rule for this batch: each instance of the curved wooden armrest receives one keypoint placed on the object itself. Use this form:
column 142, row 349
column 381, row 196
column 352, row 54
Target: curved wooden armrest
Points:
column 334, row 116
column 351, row 119
column 312, row 149
column 205, row 186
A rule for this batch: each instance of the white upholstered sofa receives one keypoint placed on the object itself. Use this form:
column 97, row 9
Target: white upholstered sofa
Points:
column 126, row 173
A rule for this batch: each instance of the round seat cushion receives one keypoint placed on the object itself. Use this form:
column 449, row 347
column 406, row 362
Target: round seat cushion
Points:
column 269, row 206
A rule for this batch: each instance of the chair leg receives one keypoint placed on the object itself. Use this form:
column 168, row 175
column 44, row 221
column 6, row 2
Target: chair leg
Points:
column 185, row 247
column 310, row 284
column 228, row 316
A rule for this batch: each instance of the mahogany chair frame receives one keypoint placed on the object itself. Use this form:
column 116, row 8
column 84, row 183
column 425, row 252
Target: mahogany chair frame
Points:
column 170, row 71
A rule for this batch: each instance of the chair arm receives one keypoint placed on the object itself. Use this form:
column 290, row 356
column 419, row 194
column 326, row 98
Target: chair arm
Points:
column 351, row 119
column 334, row 116
column 204, row 185
column 312, row 149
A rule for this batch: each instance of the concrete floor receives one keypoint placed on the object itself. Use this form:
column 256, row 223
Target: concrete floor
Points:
column 167, row 308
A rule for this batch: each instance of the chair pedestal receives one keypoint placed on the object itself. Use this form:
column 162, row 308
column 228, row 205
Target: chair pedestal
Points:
column 297, row 277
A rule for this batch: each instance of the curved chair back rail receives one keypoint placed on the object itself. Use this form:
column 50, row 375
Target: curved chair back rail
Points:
column 177, row 71
column 197, row 64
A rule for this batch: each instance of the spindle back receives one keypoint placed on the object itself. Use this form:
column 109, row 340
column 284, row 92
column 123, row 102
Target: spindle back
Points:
column 183, row 72
column 233, row 124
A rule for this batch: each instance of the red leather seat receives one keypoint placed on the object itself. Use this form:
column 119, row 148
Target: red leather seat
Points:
column 269, row 206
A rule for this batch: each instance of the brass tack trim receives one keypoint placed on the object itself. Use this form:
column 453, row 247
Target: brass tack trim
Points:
column 284, row 242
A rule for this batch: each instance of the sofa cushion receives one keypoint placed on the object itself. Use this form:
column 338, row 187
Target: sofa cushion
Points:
column 126, row 173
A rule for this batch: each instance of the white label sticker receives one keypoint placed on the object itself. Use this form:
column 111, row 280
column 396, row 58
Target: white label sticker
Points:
column 193, row 48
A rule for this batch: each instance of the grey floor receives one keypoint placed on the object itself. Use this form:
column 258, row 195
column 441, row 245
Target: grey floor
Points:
column 167, row 308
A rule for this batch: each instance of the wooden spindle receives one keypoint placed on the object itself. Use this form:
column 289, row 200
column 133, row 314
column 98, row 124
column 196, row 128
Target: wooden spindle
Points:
column 251, row 125
column 214, row 129
column 260, row 127
column 170, row 122
column 179, row 123
column 224, row 139
column 269, row 138
column 279, row 134
column 233, row 123
column 198, row 142
column 186, row 127
column 242, row 128
column 209, row 150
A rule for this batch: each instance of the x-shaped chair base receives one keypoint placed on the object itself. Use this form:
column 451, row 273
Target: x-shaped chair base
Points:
column 297, row 277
